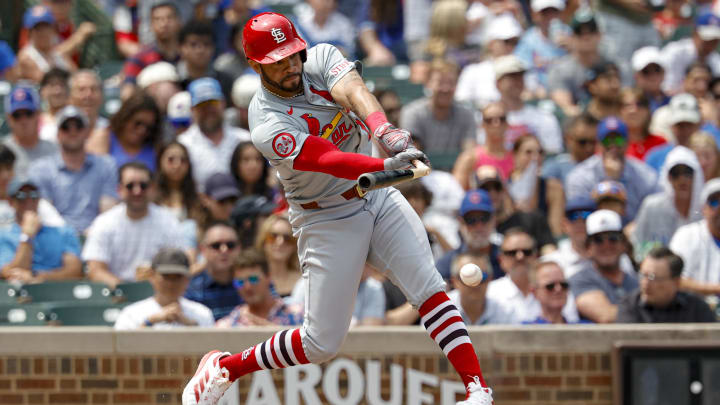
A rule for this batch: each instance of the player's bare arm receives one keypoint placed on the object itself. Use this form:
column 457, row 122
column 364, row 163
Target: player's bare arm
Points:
column 351, row 93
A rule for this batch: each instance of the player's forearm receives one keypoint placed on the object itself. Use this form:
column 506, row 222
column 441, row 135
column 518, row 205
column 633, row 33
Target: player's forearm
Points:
column 351, row 93
column 320, row 155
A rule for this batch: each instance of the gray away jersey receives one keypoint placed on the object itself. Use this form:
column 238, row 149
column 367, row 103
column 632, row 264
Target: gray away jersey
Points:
column 280, row 126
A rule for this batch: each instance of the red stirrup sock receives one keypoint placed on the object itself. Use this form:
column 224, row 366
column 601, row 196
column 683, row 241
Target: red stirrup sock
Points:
column 282, row 350
column 445, row 325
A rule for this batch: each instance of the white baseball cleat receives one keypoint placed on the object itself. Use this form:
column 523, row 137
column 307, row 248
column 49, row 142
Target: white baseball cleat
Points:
column 209, row 382
column 479, row 395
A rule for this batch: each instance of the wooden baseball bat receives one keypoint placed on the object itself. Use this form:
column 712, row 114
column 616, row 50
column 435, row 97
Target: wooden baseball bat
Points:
column 387, row 178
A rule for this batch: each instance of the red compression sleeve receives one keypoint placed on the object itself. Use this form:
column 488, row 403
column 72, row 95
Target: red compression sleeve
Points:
column 320, row 155
column 375, row 119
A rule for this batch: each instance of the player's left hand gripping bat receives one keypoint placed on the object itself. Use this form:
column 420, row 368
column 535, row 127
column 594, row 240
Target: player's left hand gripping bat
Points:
column 387, row 178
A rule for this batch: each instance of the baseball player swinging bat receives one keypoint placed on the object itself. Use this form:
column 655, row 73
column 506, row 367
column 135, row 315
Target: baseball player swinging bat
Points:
column 387, row 178
column 315, row 120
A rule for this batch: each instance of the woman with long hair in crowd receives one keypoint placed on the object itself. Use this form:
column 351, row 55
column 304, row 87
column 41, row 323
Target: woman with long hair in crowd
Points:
column 705, row 148
column 492, row 153
column 275, row 239
column 176, row 189
column 529, row 190
column 635, row 112
column 134, row 132
column 250, row 170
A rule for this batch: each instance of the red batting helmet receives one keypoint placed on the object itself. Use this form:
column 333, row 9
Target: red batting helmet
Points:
column 269, row 37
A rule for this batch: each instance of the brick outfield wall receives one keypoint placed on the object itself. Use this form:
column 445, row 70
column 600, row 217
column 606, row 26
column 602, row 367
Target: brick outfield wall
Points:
column 565, row 365
column 516, row 379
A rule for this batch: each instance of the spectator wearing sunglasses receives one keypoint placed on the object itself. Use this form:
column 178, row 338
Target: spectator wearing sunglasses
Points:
column 507, row 215
column 683, row 118
column 477, row 232
column 649, row 74
column 572, row 254
column 659, row 299
column 613, row 164
column 31, row 252
column 518, row 257
column 599, row 286
column 473, row 303
column 22, row 107
column 79, row 185
column 135, row 132
column 698, row 245
column 275, row 239
column 580, row 141
column 167, row 308
column 122, row 240
column 551, row 290
column 678, row 204
column 213, row 285
column 262, row 307
column 492, row 151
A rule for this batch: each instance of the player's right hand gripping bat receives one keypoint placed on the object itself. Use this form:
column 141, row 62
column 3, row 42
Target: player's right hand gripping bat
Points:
column 387, row 178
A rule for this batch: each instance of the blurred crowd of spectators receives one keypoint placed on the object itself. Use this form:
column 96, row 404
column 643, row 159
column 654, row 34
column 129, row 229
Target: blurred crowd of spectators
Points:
column 583, row 173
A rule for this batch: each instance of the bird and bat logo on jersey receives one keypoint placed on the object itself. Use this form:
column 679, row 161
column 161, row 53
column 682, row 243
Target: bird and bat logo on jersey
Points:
column 335, row 131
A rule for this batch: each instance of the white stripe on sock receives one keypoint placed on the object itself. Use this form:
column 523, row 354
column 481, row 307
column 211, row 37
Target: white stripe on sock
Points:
column 434, row 311
column 445, row 317
column 455, row 343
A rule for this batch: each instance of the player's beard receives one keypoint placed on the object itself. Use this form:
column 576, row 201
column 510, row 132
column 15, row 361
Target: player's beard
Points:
column 290, row 89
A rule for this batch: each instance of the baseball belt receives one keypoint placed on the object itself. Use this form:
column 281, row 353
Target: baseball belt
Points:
column 349, row 194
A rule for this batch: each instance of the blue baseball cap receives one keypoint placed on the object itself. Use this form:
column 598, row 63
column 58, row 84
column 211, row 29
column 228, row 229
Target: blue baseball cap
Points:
column 205, row 89
column 476, row 200
column 19, row 182
column 611, row 125
column 579, row 204
column 707, row 26
column 22, row 97
column 36, row 15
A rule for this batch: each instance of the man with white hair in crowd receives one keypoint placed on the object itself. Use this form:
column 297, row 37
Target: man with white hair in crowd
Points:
column 243, row 90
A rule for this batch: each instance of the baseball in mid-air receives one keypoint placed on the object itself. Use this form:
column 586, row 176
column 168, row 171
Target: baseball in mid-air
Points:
column 471, row 275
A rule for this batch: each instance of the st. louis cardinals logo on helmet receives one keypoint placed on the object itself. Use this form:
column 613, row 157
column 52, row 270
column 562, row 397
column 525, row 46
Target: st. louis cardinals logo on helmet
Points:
column 283, row 144
column 278, row 34
column 270, row 37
